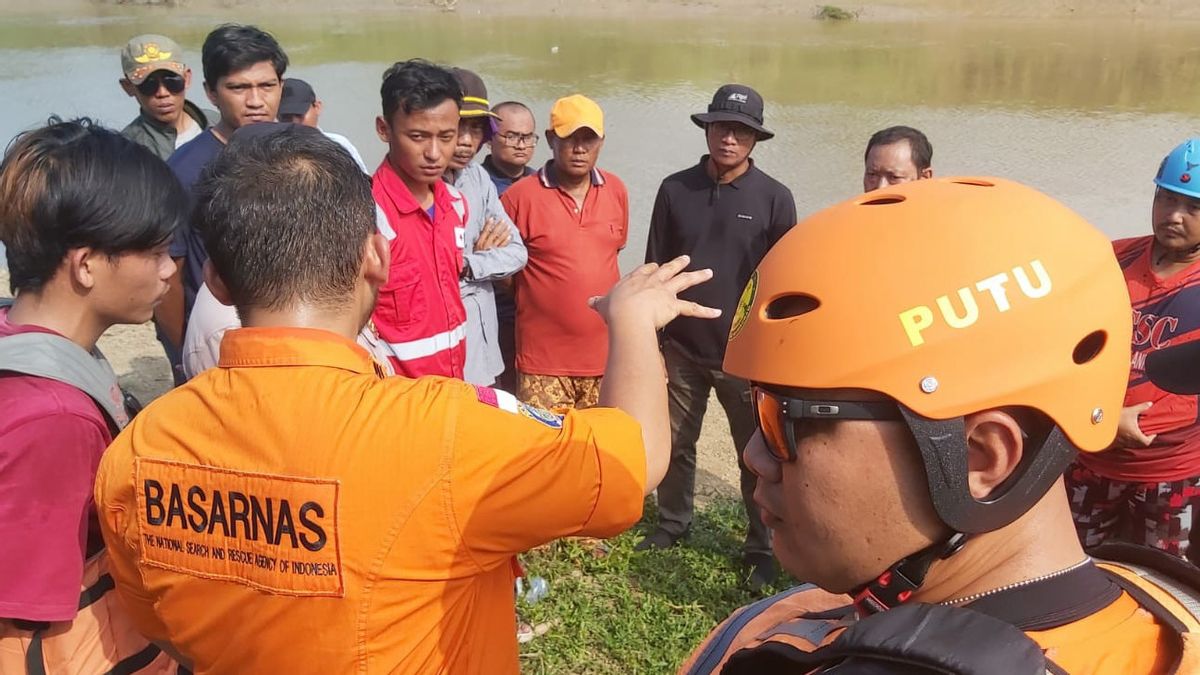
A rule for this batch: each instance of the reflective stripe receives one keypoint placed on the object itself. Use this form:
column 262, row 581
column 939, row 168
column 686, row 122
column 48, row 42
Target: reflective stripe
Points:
column 382, row 224
column 417, row 349
column 506, row 401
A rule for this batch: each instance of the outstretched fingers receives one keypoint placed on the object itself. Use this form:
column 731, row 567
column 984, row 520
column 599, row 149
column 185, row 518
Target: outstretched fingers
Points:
column 696, row 310
column 669, row 269
column 685, row 280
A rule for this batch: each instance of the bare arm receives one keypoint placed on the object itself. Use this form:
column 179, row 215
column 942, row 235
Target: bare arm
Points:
column 634, row 379
column 169, row 313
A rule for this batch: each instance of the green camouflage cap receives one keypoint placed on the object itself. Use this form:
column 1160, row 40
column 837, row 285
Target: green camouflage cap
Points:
column 145, row 54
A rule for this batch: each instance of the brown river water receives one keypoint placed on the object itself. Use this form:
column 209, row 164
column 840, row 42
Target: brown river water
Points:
column 1083, row 110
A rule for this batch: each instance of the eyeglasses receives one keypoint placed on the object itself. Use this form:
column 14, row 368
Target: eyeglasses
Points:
column 172, row 81
column 778, row 417
column 741, row 132
column 514, row 140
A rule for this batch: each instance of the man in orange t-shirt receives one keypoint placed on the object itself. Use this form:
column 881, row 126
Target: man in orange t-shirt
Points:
column 291, row 510
column 574, row 220
column 1146, row 488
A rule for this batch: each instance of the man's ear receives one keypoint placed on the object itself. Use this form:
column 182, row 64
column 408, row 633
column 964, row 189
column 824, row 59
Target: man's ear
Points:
column 377, row 257
column 995, row 445
column 212, row 94
column 81, row 264
column 127, row 87
column 383, row 129
column 216, row 285
column 926, row 173
column 187, row 78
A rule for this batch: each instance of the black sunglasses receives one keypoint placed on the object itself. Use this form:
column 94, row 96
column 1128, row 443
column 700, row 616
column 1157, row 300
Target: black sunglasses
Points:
column 778, row 416
column 172, row 81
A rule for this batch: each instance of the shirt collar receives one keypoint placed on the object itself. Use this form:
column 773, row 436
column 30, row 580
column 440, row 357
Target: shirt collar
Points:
column 402, row 198
column 497, row 173
column 546, row 176
column 267, row 347
column 733, row 183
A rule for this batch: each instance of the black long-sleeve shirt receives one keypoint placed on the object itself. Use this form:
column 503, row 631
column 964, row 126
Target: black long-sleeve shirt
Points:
column 728, row 228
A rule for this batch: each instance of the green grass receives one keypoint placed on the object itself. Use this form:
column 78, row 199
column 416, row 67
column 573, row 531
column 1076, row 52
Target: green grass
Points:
column 628, row 612
column 835, row 13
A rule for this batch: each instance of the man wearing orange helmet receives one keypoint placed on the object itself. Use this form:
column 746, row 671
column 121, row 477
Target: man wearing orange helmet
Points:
column 917, row 405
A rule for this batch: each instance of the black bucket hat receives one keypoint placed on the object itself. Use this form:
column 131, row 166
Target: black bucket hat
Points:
column 735, row 103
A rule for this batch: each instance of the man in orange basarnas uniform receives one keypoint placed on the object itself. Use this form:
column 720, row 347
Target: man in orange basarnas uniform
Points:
column 292, row 511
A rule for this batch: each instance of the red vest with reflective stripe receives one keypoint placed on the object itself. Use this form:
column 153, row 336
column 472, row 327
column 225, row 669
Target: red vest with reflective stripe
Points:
column 420, row 315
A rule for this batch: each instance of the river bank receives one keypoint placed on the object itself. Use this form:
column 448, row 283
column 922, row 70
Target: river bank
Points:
column 886, row 10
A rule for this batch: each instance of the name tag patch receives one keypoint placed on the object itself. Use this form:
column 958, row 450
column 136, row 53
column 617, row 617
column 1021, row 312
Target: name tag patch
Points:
column 270, row 532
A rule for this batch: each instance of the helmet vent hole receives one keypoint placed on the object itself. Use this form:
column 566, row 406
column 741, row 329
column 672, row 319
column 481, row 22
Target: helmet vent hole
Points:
column 977, row 182
column 883, row 200
column 790, row 306
column 1089, row 347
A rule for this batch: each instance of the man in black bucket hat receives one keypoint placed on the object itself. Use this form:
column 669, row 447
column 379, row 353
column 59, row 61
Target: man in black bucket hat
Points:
column 739, row 104
column 725, row 213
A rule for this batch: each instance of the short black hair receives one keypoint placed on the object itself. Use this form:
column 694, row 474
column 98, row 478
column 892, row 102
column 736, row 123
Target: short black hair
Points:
column 284, row 216
column 499, row 108
column 417, row 84
column 232, row 47
column 922, row 151
column 77, row 184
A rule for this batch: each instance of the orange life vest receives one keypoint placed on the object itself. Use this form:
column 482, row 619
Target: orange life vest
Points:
column 807, row 619
column 100, row 639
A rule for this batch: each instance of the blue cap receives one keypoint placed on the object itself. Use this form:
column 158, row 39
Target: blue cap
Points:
column 1178, row 173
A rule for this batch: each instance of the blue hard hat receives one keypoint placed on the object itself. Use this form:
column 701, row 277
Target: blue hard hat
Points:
column 1178, row 172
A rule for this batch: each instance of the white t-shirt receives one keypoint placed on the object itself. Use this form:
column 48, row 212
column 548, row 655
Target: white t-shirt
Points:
column 193, row 130
column 345, row 143
column 210, row 320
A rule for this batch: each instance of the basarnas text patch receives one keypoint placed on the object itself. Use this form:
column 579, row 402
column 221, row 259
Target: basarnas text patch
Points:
column 271, row 532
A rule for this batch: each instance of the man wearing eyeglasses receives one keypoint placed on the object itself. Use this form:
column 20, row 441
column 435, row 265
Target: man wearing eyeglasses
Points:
column 512, row 145
column 512, row 149
column 726, row 213
column 156, row 75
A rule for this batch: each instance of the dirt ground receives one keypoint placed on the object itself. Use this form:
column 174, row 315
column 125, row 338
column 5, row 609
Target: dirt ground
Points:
column 869, row 10
column 142, row 369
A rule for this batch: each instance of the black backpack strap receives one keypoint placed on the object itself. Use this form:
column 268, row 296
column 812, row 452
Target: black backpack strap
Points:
column 909, row 639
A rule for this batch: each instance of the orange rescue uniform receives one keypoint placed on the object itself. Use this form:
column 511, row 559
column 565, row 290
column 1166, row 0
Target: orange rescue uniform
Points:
column 293, row 511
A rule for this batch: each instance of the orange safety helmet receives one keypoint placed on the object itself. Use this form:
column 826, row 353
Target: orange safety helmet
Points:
column 951, row 296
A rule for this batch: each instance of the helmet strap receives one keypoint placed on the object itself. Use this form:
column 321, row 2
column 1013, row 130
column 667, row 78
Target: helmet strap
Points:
column 898, row 583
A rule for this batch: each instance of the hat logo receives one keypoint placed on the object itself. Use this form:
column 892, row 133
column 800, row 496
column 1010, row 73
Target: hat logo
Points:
column 740, row 98
column 151, row 52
